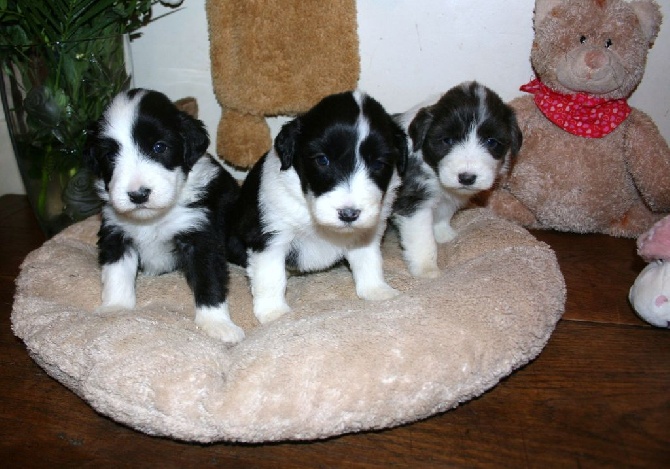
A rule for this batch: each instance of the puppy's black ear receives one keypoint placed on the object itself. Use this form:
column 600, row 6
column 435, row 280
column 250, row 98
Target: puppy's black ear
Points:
column 91, row 152
column 401, row 143
column 196, row 138
column 285, row 143
column 419, row 126
column 517, row 135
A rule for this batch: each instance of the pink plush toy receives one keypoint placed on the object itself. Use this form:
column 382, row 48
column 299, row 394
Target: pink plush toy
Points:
column 650, row 294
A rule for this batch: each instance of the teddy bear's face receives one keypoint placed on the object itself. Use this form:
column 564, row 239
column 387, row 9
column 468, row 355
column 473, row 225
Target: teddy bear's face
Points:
column 598, row 47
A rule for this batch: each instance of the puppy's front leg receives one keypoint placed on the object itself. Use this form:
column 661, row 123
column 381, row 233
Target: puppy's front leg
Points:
column 442, row 225
column 267, row 275
column 118, row 282
column 418, row 243
column 367, row 268
column 203, row 262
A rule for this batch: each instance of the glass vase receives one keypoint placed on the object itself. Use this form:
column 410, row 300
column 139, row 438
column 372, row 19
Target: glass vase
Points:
column 51, row 94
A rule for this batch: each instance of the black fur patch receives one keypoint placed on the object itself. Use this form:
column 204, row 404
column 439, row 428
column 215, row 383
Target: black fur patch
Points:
column 413, row 192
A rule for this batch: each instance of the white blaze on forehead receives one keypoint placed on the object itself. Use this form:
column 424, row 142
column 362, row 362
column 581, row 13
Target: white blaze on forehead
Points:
column 120, row 118
column 483, row 112
column 359, row 96
column 480, row 94
column 362, row 124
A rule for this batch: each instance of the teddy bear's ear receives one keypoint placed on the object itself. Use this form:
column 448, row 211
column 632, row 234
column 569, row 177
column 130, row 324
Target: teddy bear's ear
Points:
column 649, row 14
column 543, row 8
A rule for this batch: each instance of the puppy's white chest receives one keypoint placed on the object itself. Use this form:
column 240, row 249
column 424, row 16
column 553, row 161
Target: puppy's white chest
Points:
column 155, row 242
column 309, row 252
column 452, row 199
column 157, row 255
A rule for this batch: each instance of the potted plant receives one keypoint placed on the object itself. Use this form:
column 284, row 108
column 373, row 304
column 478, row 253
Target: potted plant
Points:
column 62, row 61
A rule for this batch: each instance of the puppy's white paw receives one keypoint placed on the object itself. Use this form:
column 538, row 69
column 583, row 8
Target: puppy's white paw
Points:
column 422, row 266
column 225, row 331
column 112, row 308
column 266, row 313
column 378, row 293
column 443, row 232
column 216, row 323
column 425, row 271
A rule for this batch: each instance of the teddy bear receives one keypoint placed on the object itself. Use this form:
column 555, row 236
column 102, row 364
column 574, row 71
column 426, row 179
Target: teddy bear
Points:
column 650, row 293
column 589, row 163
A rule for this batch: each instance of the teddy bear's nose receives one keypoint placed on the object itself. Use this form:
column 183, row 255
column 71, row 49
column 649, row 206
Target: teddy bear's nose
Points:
column 595, row 59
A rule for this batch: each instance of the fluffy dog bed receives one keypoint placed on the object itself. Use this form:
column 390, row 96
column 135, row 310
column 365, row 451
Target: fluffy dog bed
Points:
column 335, row 365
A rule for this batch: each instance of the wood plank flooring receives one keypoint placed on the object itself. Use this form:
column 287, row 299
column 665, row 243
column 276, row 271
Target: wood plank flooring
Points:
column 597, row 396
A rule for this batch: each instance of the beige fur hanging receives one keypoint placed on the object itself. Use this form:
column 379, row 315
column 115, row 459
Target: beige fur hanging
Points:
column 276, row 57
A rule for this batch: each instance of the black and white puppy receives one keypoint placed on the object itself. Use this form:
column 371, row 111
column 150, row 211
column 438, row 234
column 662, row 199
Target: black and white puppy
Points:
column 322, row 194
column 461, row 144
column 166, row 205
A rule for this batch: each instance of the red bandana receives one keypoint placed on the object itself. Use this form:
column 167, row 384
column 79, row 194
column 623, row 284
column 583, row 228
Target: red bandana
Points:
column 579, row 114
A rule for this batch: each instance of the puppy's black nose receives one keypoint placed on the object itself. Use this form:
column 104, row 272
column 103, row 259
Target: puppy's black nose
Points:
column 348, row 215
column 139, row 196
column 467, row 179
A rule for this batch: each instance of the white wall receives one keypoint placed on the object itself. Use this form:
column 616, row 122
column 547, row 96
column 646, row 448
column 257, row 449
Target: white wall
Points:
column 410, row 49
column 10, row 181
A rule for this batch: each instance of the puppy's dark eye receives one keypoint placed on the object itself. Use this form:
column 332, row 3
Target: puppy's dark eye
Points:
column 496, row 148
column 492, row 144
column 107, row 149
column 449, row 141
column 608, row 44
column 321, row 160
column 106, row 152
column 378, row 164
column 582, row 39
column 108, row 155
column 159, row 148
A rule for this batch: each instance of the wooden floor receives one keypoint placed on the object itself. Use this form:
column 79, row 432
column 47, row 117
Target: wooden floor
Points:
column 597, row 396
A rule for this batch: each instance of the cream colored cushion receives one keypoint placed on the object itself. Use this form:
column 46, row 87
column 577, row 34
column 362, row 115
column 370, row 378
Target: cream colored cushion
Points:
column 336, row 364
